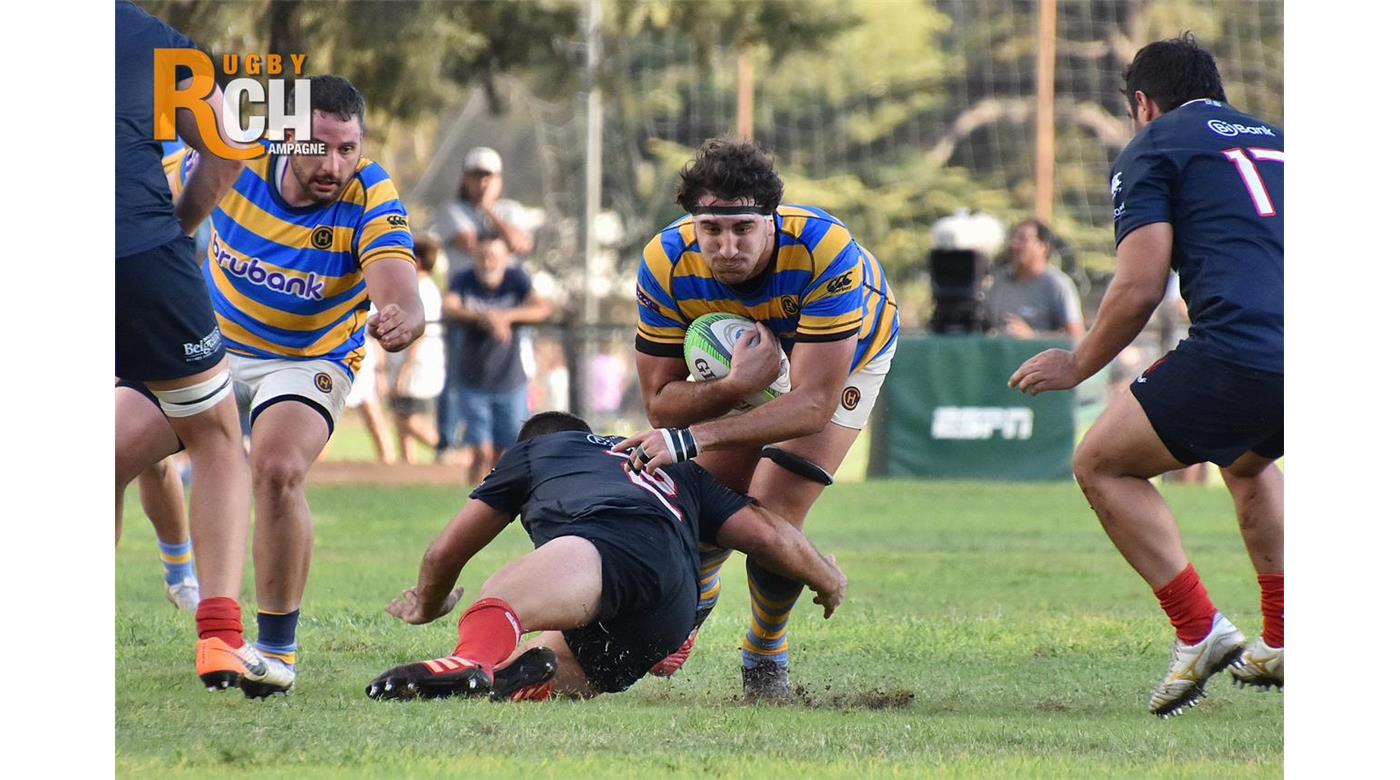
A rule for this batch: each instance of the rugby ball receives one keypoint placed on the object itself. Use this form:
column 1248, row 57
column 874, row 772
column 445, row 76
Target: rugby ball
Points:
column 709, row 349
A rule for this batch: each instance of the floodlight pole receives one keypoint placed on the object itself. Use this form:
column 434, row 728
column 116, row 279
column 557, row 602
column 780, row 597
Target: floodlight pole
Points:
column 592, row 199
column 1045, row 115
column 744, row 89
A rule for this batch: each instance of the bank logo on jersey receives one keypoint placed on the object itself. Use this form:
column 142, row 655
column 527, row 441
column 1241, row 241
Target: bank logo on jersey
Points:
column 1232, row 129
column 308, row 286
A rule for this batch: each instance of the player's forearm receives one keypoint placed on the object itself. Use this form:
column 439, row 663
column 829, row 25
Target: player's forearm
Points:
column 786, row 550
column 1125, row 311
column 207, row 184
column 680, row 403
column 789, row 416
column 437, row 575
column 463, row 538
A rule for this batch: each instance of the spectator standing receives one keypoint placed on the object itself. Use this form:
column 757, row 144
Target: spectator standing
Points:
column 477, row 214
column 364, row 396
column 490, row 299
column 417, row 373
column 1029, row 298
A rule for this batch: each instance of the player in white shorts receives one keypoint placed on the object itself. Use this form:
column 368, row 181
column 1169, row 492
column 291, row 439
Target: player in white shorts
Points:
column 819, row 297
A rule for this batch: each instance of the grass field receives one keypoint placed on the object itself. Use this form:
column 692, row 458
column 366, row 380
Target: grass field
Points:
column 990, row 630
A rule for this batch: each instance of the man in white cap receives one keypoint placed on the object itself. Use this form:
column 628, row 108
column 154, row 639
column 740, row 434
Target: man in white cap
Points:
column 479, row 213
column 468, row 222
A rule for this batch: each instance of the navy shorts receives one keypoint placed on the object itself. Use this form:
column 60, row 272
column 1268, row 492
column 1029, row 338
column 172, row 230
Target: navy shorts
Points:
column 648, row 610
column 165, row 320
column 1204, row 409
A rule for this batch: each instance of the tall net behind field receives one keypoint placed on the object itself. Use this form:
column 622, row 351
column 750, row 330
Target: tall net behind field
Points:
column 918, row 109
column 909, row 112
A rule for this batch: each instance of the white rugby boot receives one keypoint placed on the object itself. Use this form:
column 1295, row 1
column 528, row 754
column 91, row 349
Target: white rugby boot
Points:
column 184, row 594
column 1261, row 666
column 1192, row 665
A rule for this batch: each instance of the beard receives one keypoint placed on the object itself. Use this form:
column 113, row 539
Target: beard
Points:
column 322, row 189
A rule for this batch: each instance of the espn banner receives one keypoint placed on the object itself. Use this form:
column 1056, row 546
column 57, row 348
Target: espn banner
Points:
column 945, row 412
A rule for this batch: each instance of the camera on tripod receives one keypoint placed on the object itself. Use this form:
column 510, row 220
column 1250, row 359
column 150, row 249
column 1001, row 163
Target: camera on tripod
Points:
column 963, row 245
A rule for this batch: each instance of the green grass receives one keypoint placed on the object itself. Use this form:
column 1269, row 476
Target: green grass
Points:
column 990, row 630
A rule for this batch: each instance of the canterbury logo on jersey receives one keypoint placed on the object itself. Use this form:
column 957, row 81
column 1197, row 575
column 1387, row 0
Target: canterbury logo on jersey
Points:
column 308, row 286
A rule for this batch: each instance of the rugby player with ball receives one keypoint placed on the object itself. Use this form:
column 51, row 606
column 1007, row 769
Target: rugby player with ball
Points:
column 789, row 394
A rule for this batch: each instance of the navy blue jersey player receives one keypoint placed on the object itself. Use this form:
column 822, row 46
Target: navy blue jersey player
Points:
column 1198, row 190
column 169, row 351
column 612, row 582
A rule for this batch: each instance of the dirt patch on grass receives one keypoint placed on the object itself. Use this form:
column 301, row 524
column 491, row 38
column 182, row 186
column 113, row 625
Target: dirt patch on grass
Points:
column 875, row 699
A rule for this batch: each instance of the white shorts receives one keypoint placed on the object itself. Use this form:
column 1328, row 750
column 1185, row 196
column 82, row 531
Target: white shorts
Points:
column 260, row 382
column 862, row 388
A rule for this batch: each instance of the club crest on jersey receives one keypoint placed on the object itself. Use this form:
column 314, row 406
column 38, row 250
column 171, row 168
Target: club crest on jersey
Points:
column 323, row 382
column 1115, row 185
column 850, row 398
column 789, row 304
column 322, row 237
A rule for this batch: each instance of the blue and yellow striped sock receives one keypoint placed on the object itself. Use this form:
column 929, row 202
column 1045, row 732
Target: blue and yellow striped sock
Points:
column 710, row 563
column 277, row 635
column 178, row 560
column 771, row 598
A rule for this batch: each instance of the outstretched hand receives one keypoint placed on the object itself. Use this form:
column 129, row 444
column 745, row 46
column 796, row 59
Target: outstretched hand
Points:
column 410, row 607
column 1053, row 369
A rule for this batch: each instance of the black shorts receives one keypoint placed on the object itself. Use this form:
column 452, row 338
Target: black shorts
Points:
column 165, row 320
column 648, row 610
column 407, row 407
column 1204, row 409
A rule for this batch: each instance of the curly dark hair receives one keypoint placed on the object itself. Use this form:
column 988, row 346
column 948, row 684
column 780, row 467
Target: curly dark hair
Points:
column 730, row 169
column 1172, row 72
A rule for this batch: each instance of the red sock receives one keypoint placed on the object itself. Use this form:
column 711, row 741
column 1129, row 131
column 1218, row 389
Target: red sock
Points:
column 1271, row 604
column 220, row 617
column 487, row 633
column 1187, row 605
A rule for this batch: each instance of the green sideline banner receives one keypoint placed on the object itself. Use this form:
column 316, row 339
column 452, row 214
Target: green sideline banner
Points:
column 945, row 412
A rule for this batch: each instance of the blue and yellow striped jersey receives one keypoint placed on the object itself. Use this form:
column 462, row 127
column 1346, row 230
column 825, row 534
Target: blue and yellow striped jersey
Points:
column 822, row 286
column 288, row 282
